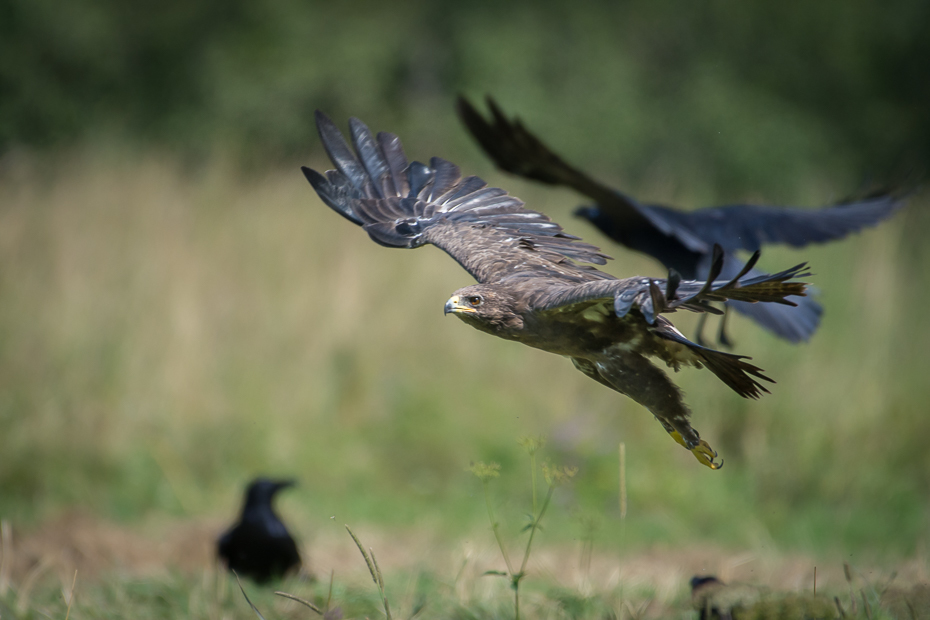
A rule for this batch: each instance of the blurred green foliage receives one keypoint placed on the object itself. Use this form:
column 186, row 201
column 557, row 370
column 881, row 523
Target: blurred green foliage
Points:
column 762, row 96
column 168, row 329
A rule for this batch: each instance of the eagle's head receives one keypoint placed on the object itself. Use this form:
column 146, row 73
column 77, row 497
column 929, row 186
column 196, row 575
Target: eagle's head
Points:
column 487, row 307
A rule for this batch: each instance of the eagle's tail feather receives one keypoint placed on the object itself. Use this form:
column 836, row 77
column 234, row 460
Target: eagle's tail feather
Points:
column 734, row 370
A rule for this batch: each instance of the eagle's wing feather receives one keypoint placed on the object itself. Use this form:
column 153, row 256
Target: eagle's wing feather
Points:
column 407, row 205
column 653, row 296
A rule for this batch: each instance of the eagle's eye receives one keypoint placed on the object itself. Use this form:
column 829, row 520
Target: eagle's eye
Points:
column 474, row 300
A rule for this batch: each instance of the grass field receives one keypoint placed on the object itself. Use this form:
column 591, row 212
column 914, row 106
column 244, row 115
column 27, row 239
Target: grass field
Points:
column 168, row 331
column 164, row 568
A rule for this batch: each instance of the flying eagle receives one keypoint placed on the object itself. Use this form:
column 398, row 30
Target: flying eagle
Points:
column 531, row 287
column 683, row 240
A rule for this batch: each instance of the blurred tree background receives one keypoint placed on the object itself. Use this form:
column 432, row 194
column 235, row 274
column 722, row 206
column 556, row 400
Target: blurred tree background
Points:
column 179, row 311
column 759, row 96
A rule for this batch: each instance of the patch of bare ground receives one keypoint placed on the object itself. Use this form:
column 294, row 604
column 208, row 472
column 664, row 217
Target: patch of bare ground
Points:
column 94, row 546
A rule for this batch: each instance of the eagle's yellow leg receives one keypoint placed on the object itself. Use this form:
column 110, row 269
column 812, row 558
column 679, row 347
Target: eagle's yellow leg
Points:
column 702, row 452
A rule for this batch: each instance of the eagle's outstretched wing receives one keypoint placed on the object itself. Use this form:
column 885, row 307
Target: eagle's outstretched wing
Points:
column 407, row 205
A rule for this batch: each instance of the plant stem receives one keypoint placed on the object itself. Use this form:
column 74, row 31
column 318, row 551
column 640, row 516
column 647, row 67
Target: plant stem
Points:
column 533, row 471
column 494, row 527
column 536, row 520
column 373, row 568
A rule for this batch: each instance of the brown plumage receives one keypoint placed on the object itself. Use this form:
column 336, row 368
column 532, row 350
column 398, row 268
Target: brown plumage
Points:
column 531, row 287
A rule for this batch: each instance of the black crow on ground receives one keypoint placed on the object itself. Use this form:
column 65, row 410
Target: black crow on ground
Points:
column 258, row 545
column 683, row 240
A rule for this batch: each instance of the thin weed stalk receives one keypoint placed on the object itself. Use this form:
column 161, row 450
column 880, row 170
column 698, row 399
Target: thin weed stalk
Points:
column 6, row 553
column 71, row 595
column 247, row 600
column 374, row 569
column 326, row 613
column 25, row 589
column 300, row 600
column 534, row 527
column 554, row 477
column 589, row 524
column 495, row 527
column 622, row 481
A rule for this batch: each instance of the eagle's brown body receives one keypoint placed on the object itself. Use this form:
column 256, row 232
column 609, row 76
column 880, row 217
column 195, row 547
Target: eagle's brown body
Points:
column 531, row 289
column 611, row 350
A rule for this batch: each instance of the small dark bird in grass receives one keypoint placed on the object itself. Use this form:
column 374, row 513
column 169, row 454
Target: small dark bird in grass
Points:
column 703, row 591
column 715, row 600
column 684, row 240
column 259, row 546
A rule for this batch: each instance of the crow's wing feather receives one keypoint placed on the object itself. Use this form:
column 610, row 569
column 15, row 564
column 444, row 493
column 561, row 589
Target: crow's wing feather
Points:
column 516, row 150
column 794, row 324
column 487, row 231
column 749, row 227
column 634, row 224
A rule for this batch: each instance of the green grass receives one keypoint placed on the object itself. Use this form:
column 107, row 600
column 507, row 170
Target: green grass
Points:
column 425, row 593
column 166, row 333
column 178, row 595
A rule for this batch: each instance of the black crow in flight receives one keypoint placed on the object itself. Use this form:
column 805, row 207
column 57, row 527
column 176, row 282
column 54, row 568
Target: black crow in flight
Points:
column 683, row 240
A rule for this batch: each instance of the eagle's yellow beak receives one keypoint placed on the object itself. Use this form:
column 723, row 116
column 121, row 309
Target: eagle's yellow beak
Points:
column 455, row 305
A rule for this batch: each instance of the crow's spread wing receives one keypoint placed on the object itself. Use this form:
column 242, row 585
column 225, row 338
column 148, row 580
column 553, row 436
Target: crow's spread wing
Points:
column 516, row 150
column 407, row 205
column 670, row 234
column 749, row 227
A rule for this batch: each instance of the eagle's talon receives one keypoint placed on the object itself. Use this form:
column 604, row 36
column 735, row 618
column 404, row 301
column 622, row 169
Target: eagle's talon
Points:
column 700, row 449
column 706, row 455
column 679, row 439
